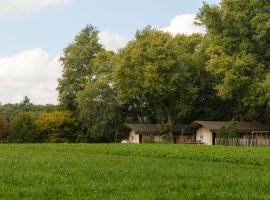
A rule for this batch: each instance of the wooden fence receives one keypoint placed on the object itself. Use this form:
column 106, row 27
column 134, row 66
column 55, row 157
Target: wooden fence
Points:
column 184, row 139
column 247, row 142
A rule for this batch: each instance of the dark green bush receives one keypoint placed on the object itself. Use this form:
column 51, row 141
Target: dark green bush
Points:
column 228, row 132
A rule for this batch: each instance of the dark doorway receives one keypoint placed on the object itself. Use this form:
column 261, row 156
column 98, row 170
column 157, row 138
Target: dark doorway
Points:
column 214, row 135
column 140, row 138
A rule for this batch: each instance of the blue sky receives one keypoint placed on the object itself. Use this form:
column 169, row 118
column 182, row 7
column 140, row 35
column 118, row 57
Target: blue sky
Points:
column 53, row 27
column 34, row 33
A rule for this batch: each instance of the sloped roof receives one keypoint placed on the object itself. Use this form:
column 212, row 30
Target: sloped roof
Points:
column 240, row 126
column 153, row 128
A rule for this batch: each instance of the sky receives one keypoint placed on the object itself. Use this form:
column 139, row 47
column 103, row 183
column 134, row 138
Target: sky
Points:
column 35, row 32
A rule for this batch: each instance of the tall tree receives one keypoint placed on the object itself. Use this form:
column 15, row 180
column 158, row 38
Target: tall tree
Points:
column 25, row 105
column 208, row 105
column 76, row 60
column 156, row 69
column 99, row 110
column 239, row 50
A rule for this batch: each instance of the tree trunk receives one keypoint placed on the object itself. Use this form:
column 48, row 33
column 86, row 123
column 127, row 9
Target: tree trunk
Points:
column 170, row 126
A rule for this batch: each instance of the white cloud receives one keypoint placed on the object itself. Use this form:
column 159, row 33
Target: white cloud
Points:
column 29, row 73
column 112, row 41
column 179, row 24
column 183, row 24
column 21, row 7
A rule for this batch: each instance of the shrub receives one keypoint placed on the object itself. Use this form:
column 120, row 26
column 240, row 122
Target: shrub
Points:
column 57, row 127
column 222, row 133
column 228, row 132
column 23, row 129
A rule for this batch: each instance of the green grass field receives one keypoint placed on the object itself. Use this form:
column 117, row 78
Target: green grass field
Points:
column 133, row 172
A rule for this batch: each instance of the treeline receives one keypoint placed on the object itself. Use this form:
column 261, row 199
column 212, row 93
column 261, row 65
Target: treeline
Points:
column 9, row 111
column 161, row 78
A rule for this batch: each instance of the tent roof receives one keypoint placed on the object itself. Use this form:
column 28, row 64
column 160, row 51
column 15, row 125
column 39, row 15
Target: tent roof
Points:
column 240, row 126
column 153, row 128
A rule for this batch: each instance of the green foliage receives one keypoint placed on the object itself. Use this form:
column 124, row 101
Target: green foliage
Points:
column 57, row 127
column 161, row 78
column 154, row 72
column 238, row 49
column 9, row 111
column 163, row 128
column 228, row 132
column 25, row 105
column 77, row 71
column 222, row 133
column 232, row 130
column 23, row 129
column 100, row 111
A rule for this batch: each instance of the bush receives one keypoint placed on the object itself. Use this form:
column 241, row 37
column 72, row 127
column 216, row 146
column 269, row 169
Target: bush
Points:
column 23, row 129
column 57, row 127
column 228, row 132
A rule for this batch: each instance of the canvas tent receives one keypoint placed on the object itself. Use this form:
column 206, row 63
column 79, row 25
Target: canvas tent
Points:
column 139, row 133
column 206, row 130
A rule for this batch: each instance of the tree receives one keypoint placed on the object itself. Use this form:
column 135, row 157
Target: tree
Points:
column 98, row 107
column 23, row 129
column 4, row 128
column 25, row 105
column 232, row 130
column 238, row 35
column 57, row 127
column 76, row 60
column 100, row 112
column 9, row 111
column 155, row 70
column 262, row 102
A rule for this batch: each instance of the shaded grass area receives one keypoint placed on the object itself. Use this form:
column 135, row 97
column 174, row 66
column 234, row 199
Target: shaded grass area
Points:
column 133, row 172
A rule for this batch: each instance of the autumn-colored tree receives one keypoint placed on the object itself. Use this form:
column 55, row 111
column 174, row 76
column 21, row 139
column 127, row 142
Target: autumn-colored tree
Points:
column 3, row 130
column 56, row 127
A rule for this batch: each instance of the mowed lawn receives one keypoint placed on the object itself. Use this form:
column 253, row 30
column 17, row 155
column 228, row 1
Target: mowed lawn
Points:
column 85, row 171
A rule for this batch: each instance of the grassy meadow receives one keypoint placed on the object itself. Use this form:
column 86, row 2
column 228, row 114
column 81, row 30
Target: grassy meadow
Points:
column 86, row 171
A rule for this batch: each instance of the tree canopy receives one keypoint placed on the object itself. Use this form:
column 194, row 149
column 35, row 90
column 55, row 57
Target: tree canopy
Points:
column 239, row 38
column 155, row 69
column 76, row 62
column 157, row 77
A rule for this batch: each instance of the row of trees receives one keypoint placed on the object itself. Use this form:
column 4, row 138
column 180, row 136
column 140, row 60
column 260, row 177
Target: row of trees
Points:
column 159, row 77
column 9, row 111
column 51, row 127
column 162, row 78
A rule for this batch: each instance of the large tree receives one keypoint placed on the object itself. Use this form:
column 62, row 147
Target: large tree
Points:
column 238, row 33
column 155, row 70
column 98, row 107
column 76, row 62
